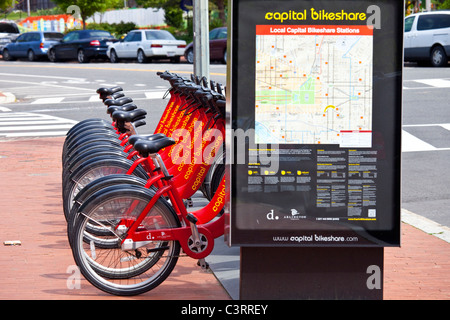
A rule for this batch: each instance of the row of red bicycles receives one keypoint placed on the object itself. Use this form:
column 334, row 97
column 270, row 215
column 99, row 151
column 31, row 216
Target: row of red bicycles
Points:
column 127, row 198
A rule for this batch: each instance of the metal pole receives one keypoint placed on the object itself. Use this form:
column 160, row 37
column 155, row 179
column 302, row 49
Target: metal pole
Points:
column 201, row 38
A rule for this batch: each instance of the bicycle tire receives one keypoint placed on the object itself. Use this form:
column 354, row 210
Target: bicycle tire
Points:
column 217, row 178
column 72, row 167
column 101, row 140
column 95, row 136
column 94, row 146
column 94, row 189
column 87, row 130
column 92, row 261
column 94, row 169
column 84, row 122
column 77, row 161
column 89, row 125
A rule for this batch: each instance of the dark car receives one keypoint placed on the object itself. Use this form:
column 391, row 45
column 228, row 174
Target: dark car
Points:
column 82, row 45
column 217, row 46
column 8, row 33
column 31, row 45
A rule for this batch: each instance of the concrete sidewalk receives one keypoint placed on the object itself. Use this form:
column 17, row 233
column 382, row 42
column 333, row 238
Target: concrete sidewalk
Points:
column 39, row 268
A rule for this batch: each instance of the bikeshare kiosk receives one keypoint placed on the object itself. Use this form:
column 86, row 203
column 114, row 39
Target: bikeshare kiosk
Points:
column 314, row 145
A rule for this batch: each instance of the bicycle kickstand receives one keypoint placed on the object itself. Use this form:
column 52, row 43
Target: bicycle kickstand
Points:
column 198, row 244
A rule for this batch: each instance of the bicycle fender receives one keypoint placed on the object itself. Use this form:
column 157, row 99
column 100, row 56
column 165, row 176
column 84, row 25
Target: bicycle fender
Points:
column 85, row 121
column 97, row 196
column 107, row 181
column 120, row 190
column 125, row 163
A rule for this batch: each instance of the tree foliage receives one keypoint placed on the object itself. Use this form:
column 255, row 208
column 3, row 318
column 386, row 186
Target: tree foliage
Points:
column 173, row 10
column 441, row 4
column 87, row 7
column 6, row 5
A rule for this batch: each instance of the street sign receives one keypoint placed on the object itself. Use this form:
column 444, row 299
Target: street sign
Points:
column 314, row 123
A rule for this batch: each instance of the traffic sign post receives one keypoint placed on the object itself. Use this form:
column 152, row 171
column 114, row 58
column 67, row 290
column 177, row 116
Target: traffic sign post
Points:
column 314, row 145
column 201, row 38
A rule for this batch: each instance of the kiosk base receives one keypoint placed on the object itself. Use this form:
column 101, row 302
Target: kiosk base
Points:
column 285, row 273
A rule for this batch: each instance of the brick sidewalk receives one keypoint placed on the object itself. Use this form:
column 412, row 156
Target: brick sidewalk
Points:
column 31, row 211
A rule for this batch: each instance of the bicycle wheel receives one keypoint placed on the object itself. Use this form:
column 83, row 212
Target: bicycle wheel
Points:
column 73, row 165
column 117, row 271
column 92, row 170
column 92, row 137
column 95, row 146
column 110, row 141
column 87, row 130
column 95, row 189
column 82, row 123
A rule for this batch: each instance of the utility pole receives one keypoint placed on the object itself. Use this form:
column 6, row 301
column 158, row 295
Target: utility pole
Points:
column 201, row 38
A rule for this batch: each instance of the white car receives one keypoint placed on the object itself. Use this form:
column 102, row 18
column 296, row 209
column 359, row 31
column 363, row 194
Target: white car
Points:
column 147, row 44
column 427, row 37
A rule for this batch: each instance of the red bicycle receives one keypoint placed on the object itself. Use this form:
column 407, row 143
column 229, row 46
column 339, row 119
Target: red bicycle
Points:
column 126, row 237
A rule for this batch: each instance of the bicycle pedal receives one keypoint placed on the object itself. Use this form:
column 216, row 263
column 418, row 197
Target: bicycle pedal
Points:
column 202, row 263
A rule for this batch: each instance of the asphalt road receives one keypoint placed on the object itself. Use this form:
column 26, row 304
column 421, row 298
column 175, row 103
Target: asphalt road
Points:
column 68, row 90
column 426, row 128
column 62, row 93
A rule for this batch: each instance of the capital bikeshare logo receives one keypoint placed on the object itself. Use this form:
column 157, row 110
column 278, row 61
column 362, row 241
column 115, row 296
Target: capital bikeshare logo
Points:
column 312, row 238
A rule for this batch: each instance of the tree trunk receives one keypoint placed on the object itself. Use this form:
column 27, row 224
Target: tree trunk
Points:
column 221, row 8
column 83, row 19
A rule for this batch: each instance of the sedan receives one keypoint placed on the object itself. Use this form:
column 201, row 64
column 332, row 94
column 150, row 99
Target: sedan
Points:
column 147, row 44
column 82, row 45
column 217, row 46
column 32, row 45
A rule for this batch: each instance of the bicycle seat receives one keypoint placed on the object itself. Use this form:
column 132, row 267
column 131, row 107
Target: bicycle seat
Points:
column 117, row 95
column 118, row 102
column 146, row 147
column 127, row 107
column 135, row 138
column 109, row 91
column 129, row 116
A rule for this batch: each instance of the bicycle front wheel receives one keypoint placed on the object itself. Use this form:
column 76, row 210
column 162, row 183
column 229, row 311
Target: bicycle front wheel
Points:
column 107, row 266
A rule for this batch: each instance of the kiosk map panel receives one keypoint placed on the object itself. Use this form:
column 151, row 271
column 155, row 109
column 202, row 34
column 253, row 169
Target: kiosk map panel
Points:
column 315, row 123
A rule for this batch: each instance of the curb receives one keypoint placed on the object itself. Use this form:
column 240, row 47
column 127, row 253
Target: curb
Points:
column 7, row 97
column 426, row 225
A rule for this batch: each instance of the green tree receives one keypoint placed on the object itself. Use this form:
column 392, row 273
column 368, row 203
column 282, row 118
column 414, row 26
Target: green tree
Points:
column 6, row 5
column 173, row 10
column 87, row 7
column 173, row 15
column 441, row 4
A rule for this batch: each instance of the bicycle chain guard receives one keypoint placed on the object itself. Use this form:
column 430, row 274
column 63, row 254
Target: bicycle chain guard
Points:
column 192, row 250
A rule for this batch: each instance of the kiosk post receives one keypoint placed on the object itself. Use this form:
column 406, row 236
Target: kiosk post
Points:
column 314, row 107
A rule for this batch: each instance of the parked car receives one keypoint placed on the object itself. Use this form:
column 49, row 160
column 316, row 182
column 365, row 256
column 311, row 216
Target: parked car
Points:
column 147, row 44
column 32, row 45
column 82, row 45
column 217, row 46
column 8, row 32
column 427, row 37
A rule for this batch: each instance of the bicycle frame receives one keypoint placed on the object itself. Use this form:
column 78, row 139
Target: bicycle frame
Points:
column 207, row 227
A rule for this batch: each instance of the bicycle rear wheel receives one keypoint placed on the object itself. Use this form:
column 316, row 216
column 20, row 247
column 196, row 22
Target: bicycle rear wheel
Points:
column 94, row 189
column 92, row 170
column 114, row 270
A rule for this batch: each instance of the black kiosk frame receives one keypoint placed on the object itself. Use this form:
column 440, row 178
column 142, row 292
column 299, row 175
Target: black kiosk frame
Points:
column 314, row 107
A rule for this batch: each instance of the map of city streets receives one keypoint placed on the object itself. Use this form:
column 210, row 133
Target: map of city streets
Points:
column 314, row 85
